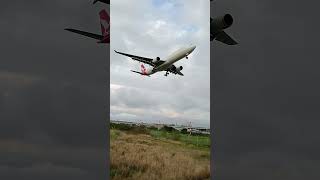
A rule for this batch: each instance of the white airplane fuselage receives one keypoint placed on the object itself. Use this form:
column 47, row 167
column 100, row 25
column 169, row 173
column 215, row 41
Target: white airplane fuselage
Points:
column 171, row 59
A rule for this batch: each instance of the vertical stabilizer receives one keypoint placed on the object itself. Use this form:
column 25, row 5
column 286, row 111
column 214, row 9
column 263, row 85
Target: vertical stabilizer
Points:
column 143, row 69
column 105, row 26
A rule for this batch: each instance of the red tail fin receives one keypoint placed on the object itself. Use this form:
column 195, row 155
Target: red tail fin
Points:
column 105, row 25
column 143, row 69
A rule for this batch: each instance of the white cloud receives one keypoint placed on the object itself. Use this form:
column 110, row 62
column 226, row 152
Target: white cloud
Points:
column 154, row 28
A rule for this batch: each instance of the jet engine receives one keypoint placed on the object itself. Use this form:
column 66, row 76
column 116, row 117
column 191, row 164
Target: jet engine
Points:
column 155, row 60
column 219, row 23
column 176, row 68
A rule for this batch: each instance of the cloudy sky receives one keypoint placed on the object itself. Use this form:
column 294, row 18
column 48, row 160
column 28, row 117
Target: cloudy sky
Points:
column 156, row 28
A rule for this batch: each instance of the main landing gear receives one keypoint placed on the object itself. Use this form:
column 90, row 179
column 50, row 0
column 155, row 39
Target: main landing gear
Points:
column 187, row 57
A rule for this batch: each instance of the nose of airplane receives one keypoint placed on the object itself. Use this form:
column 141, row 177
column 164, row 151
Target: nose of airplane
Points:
column 192, row 47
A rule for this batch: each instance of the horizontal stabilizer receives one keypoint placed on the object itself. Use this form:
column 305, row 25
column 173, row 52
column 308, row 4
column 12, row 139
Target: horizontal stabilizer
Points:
column 180, row 73
column 91, row 35
column 139, row 73
column 225, row 38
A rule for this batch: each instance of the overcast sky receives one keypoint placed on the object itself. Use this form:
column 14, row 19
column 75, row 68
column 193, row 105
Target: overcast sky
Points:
column 156, row 28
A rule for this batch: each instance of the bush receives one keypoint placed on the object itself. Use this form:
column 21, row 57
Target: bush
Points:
column 124, row 127
column 168, row 129
column 184, row 131
column 153, row 128
column 139, row 130
column 175, row 136
column 164, row 134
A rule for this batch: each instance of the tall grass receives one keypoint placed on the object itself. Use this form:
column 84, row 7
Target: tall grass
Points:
column 141, row 156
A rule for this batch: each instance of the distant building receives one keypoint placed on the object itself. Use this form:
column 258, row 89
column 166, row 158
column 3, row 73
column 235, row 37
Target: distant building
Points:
column 199, row 130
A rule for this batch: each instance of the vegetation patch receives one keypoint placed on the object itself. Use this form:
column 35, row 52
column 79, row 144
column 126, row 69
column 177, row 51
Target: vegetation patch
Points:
column 114, row 134
column 158, row 154
column 194, row 140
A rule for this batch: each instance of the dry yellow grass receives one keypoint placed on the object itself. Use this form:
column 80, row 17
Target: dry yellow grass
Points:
column 142, row 157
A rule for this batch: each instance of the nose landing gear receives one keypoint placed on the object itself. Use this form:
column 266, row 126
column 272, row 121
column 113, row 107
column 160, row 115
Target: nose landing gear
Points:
column 167, row 73
column 187, row 56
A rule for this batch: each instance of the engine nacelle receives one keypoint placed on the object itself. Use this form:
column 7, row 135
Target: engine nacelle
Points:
column 219, row 23
column 177, row 68
column 155, row 60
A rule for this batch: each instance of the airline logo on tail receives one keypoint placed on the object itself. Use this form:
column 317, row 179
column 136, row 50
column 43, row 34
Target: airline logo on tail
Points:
column 105, row 29
column 105, row 26
column 143, row 70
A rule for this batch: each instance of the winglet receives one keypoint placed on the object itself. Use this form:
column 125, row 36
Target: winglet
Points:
column 117, row 52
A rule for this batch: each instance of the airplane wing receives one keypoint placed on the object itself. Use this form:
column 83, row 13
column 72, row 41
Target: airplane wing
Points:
column 225, row 38
column 175, row 71
column 139, row 73
column 141, row 59
column 180, row 73
column 91, row 35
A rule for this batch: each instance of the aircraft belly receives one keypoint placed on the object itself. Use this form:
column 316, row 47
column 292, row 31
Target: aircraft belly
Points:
column 177, row 57
column 163, row 67
column 171, row 60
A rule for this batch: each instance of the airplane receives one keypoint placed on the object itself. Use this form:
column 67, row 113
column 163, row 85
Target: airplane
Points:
column 162, row 65
column 105, row 29
column 103, row 1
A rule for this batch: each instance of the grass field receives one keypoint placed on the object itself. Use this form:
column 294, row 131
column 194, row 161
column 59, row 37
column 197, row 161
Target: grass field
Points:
column 198, row 141
column 152, row 154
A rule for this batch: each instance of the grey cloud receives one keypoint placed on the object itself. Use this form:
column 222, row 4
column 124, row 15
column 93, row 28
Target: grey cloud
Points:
column 147, row 33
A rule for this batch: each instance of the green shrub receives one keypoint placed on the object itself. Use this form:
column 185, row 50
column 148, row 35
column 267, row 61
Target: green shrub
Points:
column 124, row 127
column 168, row 129
column 175, row 136
column 139, row 130
column 184, row 131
